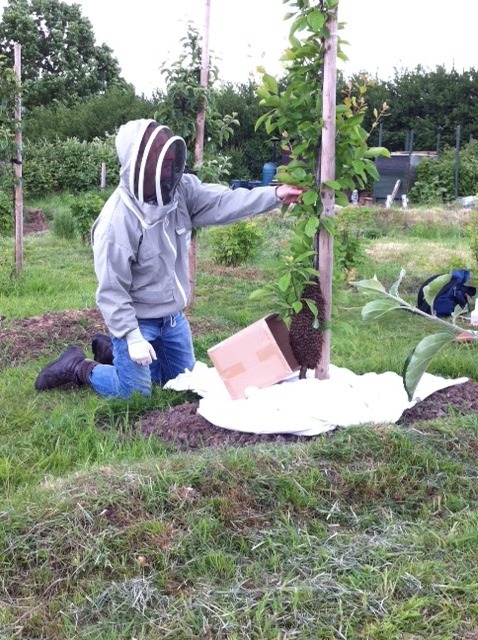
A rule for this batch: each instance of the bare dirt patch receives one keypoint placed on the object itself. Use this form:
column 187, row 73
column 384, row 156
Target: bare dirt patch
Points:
column 33, row 338
column 182, row 426
column 35, row 222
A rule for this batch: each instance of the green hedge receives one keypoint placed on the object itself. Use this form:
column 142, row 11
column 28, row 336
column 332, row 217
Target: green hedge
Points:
column 70, row 165
column 436, row 176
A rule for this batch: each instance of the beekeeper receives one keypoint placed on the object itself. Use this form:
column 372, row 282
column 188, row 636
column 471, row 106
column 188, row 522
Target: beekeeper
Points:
column 141, row 245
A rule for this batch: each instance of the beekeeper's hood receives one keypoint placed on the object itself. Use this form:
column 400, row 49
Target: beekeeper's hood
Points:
column 152, row 163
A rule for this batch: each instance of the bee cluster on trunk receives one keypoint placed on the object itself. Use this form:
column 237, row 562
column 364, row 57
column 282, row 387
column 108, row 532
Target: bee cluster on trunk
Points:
column 305, row 339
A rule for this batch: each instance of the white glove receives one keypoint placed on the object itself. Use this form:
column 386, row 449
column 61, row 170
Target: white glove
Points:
column 139, row 349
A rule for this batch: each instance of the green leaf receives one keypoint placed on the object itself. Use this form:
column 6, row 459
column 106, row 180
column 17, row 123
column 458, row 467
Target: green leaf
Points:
column 374, row 152
column 372, row 284
column 258, row 293
column 263, row 93
column 284, row 282
column 270, row 83
column 419, row 359
column 299, row 173
column 358, row 166
column 332, row 184
column 285, row 178
column 316, row 20
column 342, row 108
column 396, row 284
column 328, row 223
column 310, row 197
column 341, row 199
column 377, row 308
column 312, row 306
column 261, row 120
column 311, row 226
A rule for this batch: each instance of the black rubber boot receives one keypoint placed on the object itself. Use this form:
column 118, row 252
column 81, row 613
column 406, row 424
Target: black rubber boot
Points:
column 102, row 348
column 72, row 367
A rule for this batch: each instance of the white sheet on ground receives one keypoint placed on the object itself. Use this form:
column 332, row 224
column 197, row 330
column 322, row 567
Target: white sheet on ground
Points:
column 306, row 407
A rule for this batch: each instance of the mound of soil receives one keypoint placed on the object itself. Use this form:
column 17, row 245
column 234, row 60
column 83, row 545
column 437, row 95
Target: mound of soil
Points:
column 182, row 426
column 185, row 429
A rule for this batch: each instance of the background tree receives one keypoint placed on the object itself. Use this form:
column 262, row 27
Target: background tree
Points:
column 429, row 102
column 294, row 113
column 8, row 87
column 248, row 149
column 60, row 60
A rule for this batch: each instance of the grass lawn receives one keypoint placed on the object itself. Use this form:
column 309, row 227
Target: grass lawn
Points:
column 368, row 532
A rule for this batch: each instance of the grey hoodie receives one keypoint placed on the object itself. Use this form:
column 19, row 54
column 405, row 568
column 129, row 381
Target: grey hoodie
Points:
column 141, row 250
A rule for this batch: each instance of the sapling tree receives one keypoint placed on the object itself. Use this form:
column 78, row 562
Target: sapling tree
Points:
column 295, row 116
column 179, row 107
column 179, row 103
column 420, row 357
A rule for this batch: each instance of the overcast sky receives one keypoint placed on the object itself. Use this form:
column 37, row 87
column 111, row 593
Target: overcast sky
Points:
column 381, row 35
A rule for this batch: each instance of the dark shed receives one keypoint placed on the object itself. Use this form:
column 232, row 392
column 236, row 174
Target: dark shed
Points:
column 399, row 166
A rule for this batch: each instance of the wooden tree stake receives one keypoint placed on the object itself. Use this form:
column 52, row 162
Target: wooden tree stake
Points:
column 324, row 240
column 199, row 148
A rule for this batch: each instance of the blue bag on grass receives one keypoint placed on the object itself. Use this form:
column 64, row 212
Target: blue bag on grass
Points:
column 455, row 293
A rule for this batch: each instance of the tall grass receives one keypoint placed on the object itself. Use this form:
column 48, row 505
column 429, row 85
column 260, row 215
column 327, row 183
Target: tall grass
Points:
column 363, row 533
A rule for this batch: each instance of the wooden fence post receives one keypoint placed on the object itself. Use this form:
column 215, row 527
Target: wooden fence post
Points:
column 18, row 164
column 103, row 176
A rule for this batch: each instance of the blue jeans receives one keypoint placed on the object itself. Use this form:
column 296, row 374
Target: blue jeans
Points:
column 172, row 341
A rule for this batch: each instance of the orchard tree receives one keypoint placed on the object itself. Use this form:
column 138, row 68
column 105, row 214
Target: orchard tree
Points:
column 295, row 115
column 60, row 60
column 179, row 104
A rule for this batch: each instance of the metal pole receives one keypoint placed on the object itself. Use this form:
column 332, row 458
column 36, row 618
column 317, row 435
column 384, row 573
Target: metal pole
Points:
column 410, row 149
column 457, row 159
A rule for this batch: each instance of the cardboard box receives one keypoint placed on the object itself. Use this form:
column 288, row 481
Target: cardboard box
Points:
column 258, row 356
